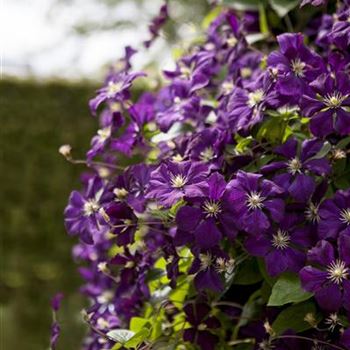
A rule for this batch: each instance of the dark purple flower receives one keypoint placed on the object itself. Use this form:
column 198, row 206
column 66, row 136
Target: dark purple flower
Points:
column 300, row 165
column 211, row 267
column 132, row 186
column 340, row 33
column 285, row 244
column 295, row 64
column 245, row 107
column 156, row 25
column 335, row 216
column 122, row 221
column 195, row 70
column 55, row 327
column 256, row 201
column 209, row 219
column 328, row 278
column 198, row 315
column 172, row 181
column 115, row 90
column 82, row 214
column 327, row 103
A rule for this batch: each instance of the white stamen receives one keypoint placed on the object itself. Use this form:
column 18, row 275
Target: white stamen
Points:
column 334, row 100
column 294, row 166
column 113, row 88
column 255, row 200
column 298, row 67
column 178, row 181
column 345, row 216
column 311, row 213
column 91, row 206
column 206, row 261
column 207, row 155
column 212, row 208
column 281, row 240
column 255, row 97
column 337, row 271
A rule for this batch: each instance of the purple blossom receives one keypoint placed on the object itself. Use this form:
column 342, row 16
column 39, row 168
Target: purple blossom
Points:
column 285, row 244
column 209, row 219
column 327, row 103
column 328, row 276
column 55, row 327
column 256, row 201
column 157, row 24
column 295, row 64
column 335, row 216
column 82, row 214
column 300, row 164
column 172, row 181
column 115, row 90
column 198, row 315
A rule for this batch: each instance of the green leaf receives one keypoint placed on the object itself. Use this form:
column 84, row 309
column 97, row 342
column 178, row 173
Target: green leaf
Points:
column 282, row 7
column 248, row 273
column 343, row 143
column 264, row 27
column 210, row 17
column 138, row 338
column 286, row 290
column 120, row 335
column 138, row 323
column 243, row 5
column 293, row 318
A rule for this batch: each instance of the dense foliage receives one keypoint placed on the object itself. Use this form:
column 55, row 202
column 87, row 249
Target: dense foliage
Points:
column 230, row 225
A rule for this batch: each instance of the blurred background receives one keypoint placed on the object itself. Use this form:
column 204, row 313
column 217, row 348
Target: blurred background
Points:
column 54, row 54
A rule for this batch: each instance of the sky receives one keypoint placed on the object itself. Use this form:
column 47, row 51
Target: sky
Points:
column 38, row 40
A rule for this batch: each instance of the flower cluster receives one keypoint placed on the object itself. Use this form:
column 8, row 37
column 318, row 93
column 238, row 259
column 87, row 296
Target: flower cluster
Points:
column 216, row 210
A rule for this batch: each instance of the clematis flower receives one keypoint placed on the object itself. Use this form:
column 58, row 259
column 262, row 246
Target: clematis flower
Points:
column 55, row 327
column 210, row 267
column 328, row 277
column 340, row 32
column 156, row 24
column 82, row 214
column 172, row 181
column 209, row 219
column 300, row 165
column 115, row 90
column 122, row 221
column 256, row 201
column 335, row 216
column 245, row 107
column 327, row 104
column 295, row 64
column 285, row 244
column 132, row 186
column 198, row 316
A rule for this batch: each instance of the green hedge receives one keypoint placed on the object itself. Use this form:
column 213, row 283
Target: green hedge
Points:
column 35, row 183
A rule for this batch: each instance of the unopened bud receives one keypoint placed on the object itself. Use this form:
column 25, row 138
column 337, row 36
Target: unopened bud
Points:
column 66, row 150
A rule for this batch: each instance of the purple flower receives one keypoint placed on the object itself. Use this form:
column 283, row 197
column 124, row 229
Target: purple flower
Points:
column 340, row 33
column 211, row 267
column 209, row 219
column 335, row 216
column 132, row 186
column 198, row 315
column 157, row 24
column 284, row 244
column 327, row 103
column 172, row 181
column 122, row 221
column 196, row 70
column 256, row 200
column 300, row 165
column 115, row 90
column 328, row 278
column 295, row 64
column 245, row 107
column 82, row 214
column 55, row 327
